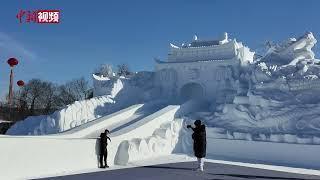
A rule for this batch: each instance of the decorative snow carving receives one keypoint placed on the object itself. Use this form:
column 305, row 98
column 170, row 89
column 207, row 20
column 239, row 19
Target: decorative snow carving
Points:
column 195, row 37
column 174, row 46
column 193, row 73
column 167, row 75
column 163, row 141
column 290, row 53
column 224, row 38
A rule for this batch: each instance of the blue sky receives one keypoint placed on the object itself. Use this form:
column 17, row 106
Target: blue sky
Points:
column 133, row 32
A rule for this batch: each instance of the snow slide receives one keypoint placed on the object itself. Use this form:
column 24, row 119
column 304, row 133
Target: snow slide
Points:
column 114, row 121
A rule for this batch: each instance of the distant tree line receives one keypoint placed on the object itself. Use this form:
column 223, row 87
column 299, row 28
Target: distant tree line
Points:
column 39, row 97
column 107, row 71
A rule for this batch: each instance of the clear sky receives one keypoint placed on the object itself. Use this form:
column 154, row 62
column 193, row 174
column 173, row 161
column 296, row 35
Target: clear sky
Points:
column 134, row 31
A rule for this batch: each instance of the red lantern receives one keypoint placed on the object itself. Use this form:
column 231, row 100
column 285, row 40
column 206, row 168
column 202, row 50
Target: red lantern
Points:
column 12, row 62
column 20, row 83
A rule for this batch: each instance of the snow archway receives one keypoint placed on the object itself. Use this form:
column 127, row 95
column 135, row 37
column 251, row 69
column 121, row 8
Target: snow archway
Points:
column 191, row 91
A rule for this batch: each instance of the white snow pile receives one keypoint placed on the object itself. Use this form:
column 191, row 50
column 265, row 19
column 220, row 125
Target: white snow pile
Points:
column 112, row 94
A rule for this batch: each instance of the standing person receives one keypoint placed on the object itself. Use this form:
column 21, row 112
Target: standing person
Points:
column 199, row 142
column 103, row 148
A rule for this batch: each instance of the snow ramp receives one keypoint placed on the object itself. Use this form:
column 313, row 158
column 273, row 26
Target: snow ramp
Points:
column 114, row 121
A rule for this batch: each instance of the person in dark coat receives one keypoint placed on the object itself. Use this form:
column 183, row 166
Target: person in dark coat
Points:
column 103, row 148
column 199, row 142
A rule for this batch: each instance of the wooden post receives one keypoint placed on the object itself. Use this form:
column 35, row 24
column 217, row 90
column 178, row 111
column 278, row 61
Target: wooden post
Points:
column 10, row 86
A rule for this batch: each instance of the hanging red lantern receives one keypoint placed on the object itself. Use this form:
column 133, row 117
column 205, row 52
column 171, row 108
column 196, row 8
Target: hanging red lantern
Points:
column 20, row 83
column 12, row 62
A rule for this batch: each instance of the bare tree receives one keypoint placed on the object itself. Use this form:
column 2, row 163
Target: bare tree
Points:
column 123, row 70
column 73, row 90
column 65, row 95
column 42, row 97
column 47, row 100
column 104, row 69
column 19, row 100
column 37, row 95
column 78, row 87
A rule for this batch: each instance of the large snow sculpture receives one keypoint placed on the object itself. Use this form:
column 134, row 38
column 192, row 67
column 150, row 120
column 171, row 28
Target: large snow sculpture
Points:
column 277, row 94
column 213, row 65
column 292, row 51
column 282, row 95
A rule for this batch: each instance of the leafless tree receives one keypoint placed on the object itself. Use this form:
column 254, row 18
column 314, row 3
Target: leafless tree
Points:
column 42, row 97
column 105, row 70
column 73, row 90
column 36, row 95
column 123, row 70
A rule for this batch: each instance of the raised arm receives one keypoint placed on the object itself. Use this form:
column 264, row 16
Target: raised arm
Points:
column 189, row 126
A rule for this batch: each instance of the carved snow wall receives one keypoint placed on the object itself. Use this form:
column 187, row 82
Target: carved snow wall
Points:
column 216, row 78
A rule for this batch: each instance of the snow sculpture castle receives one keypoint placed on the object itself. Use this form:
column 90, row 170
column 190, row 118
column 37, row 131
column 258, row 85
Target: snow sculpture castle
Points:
column 203, row 69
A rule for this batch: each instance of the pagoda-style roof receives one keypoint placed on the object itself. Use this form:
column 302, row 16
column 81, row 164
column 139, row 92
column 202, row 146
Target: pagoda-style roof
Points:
column 196, row 43
column 198, row 61
column 202, row 51
column 201, row 43
column 221, row 50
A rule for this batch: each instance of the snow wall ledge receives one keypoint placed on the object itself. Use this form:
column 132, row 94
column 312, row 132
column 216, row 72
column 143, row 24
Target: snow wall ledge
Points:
column 36, row 156
column 282, row 154
column 101, row 123
column 28, row 157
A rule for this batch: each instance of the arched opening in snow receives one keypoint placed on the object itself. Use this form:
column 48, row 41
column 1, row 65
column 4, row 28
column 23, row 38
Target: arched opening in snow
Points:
column 191, row 91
